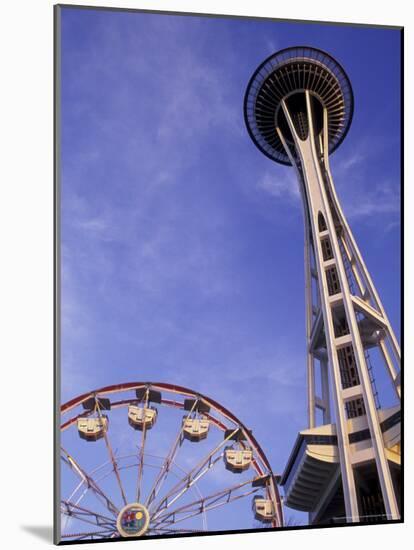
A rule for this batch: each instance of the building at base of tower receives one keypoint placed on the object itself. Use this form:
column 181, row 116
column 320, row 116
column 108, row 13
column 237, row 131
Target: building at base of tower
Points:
column 312, row 478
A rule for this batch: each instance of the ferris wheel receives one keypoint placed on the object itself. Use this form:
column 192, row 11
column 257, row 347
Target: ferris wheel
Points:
column 156, row 459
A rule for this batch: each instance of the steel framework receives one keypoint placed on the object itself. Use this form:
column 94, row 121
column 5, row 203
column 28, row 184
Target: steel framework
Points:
column 298, row 108
column 172, row 496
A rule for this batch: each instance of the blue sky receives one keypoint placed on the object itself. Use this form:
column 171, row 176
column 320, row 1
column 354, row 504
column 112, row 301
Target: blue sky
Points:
column 182, row 244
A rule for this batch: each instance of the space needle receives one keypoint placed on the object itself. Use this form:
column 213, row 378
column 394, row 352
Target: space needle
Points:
column 345, row 466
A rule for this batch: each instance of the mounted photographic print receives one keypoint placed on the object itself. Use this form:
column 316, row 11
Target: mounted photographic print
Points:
column 228, row 274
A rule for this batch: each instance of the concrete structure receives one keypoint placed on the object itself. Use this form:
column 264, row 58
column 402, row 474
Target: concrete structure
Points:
column 346, row 466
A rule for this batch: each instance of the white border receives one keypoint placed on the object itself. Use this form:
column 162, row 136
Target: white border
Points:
column 26, row 266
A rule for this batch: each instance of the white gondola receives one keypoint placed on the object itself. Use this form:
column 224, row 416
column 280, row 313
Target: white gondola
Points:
column 195, row 429
column 92, row 428
column 138, row 417
column 238, row 460
column 263, row 509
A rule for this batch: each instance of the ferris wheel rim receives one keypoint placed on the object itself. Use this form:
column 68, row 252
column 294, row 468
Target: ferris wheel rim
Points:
column 262, row 469
column 174, row 388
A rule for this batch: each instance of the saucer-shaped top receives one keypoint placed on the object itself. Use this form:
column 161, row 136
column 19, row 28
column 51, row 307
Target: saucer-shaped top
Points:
column 285, row 73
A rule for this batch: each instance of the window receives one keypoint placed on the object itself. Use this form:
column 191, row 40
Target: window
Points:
column 327, row 252
column 333, row 281
column 347, row 366
column 355, row 408
column 321, row 222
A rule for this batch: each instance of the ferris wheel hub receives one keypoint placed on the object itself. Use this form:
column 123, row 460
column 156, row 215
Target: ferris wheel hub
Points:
column 133, row 520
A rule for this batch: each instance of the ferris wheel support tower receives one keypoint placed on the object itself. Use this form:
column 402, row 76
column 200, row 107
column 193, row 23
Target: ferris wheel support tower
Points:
column 298, row 108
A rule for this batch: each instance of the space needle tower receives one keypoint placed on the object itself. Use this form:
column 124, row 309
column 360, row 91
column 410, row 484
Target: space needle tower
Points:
column 345, row 467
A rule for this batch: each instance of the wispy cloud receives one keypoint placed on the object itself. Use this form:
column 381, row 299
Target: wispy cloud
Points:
column 271, row 45
column 383, row 199
column 94, row 225
column 364, row 195
column 281, row 185
column 186, row 113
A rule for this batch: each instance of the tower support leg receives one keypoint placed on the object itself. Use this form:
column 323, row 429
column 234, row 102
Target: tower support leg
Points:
column 351, row 384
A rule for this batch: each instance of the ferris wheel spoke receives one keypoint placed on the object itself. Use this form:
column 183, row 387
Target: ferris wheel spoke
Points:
column 111, row 455
column 186, row 483
column 169, row 459
column 107, row 533
column 84, row 518
column 85, row 490
column 141, row 463
column 141, row 452
column 215, row 500
column 194, row 475
column 169, row 531
column 89, row 482
column 82, row 483
column 81, row 513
